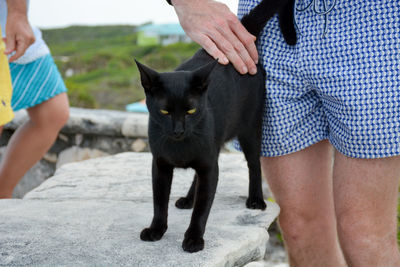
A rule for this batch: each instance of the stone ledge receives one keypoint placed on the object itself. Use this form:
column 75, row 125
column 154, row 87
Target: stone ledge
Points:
column 88, row 133
column 106, row 233
column 97, row 122
column 127, row 176
column 91, row 213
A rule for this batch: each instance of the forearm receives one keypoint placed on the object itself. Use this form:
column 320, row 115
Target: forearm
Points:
column 180, row 2
column 191, row 3
column 17, row 7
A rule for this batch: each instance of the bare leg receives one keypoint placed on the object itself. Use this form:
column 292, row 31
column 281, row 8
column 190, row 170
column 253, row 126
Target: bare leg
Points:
column 31, row 141
column 302, row 185
column 366, row 192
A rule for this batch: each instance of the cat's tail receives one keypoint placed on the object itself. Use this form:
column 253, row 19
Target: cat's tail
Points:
column 255, row 21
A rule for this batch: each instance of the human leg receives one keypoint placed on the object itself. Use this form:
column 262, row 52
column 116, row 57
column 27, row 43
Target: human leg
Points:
column 302, row 186
column 31, row 141
column 296, row 163
column 366, row 193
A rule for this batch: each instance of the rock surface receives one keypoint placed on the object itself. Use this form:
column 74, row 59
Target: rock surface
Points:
column 33, row 178
column 97, row 121
column 88, row 133
column 91, row 213
column 76, row 154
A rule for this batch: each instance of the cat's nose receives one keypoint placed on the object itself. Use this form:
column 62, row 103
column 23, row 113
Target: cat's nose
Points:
column 178, row 133
column 178, row 130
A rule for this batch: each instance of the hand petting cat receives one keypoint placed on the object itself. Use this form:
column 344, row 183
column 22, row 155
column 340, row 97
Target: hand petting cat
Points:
column 212, row 25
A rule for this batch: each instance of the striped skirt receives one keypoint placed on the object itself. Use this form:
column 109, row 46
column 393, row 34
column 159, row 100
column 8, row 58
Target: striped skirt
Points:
column 35, row 82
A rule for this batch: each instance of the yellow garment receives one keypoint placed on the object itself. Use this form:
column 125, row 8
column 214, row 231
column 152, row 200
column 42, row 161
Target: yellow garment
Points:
column 6, row 113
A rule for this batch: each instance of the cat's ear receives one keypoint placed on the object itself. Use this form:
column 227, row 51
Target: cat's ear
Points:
column 148, row 76
column 201, row 75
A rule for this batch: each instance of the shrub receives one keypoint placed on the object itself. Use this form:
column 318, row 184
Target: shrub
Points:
column 79, row 96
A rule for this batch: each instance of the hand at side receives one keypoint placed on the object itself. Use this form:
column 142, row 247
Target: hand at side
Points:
column 19, row 34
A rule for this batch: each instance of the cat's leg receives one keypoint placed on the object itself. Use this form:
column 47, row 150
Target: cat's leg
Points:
column 250, row 141
column 187, row 202
column 286, row 22
column 162, row 179
column 205, row 191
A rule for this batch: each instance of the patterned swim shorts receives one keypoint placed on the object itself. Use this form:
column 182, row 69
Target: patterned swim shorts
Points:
column 35, row 82
column 340, row 82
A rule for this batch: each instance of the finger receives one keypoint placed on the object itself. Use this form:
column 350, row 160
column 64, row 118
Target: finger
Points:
column 241, row 51
column 10, row 44
column 247, row 39
column 19, row 50
column 213, row 50
column 226, row 47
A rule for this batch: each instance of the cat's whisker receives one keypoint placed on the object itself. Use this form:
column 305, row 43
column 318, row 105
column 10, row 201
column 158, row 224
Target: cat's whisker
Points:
column 161, row 140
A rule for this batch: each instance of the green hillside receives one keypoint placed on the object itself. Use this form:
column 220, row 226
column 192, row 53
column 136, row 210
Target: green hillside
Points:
column 98, row 65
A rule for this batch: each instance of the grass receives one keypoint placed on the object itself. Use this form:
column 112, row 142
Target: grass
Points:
column 102, row 60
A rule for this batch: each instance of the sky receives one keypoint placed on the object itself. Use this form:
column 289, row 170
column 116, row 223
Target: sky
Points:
column 62, row 13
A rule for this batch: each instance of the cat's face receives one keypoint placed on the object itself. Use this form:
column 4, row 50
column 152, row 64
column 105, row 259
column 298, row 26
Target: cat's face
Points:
column 176, row 100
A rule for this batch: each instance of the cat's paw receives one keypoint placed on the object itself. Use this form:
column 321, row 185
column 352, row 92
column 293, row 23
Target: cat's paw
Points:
column 152, row 234
column 256, row 203
column 184, row 203
column 193, row 244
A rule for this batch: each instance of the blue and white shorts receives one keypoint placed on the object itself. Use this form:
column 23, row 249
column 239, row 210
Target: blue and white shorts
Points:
column 35, row 82
column 341, row 83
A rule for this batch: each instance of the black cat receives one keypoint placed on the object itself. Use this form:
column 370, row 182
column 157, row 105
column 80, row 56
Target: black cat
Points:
column 193, row 111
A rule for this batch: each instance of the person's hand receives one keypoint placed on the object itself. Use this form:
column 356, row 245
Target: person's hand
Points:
column 19, row 34
column 212, row 25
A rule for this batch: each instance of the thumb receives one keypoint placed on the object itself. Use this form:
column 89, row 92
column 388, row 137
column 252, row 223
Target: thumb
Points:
column 10, row 44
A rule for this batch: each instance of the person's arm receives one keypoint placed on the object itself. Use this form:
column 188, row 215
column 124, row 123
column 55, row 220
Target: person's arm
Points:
column 212, row 25
column 19, row 34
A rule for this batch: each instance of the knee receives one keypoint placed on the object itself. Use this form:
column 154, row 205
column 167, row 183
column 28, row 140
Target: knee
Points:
column 53, row 118
column 359, row 232
column 293, row 228
column 59, row 118
column 303, row 227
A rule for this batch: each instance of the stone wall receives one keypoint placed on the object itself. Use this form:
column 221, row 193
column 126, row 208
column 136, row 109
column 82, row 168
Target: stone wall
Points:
column 87, row 134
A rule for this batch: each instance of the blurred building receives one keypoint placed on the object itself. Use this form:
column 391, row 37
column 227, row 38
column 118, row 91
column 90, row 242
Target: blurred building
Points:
column 163, row 34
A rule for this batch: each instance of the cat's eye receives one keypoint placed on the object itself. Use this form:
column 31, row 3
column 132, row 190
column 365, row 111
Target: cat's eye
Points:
column 163, row 111
column 191, row 111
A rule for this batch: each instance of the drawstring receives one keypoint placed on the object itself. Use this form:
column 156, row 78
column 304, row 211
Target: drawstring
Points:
column 324, row 12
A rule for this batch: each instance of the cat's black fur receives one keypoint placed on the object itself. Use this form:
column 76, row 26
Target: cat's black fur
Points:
column 255, row 21
column 227, row 105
